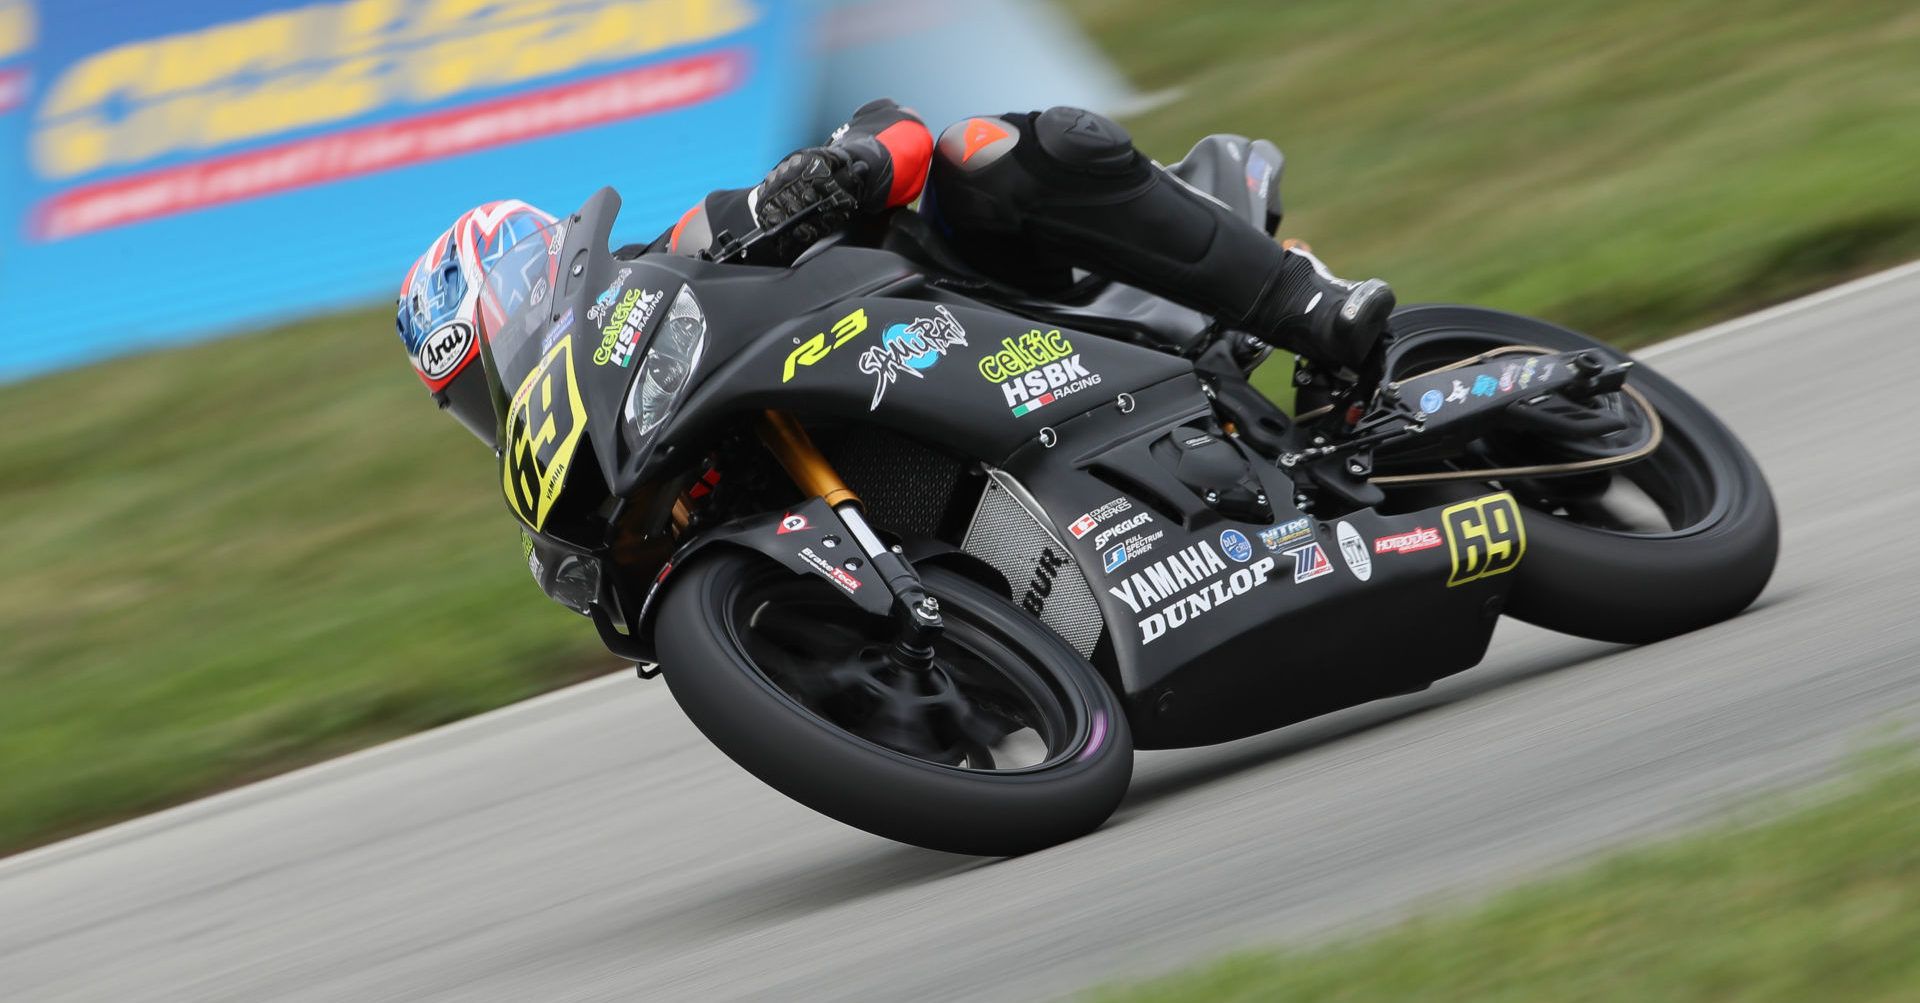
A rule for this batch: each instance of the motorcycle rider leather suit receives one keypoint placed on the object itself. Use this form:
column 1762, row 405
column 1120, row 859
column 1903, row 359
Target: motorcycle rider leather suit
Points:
column 1024, row 198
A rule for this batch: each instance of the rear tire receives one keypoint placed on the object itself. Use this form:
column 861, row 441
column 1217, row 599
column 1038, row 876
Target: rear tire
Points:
column 1708, row 562
column 779, row 671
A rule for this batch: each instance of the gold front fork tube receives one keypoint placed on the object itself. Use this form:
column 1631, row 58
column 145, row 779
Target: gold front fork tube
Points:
column 802, row 460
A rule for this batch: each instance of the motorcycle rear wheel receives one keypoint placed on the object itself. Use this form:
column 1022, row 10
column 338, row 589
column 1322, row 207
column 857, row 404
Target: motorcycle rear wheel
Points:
column 1010, row 742
column 1678, row 540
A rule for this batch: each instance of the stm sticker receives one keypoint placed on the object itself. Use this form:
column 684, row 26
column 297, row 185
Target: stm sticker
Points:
column 1353, row 550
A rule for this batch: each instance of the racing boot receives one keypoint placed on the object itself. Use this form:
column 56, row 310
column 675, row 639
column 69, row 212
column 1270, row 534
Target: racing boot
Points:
column 1323, row 317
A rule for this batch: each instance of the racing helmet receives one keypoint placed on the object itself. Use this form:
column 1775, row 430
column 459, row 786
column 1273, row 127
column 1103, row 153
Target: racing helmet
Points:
column 439, row 318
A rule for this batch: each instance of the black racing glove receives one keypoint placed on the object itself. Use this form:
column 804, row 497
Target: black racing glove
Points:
column 820, row 174
column 804, row 179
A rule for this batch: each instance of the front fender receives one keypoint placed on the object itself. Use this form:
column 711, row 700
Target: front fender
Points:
column 809, row 539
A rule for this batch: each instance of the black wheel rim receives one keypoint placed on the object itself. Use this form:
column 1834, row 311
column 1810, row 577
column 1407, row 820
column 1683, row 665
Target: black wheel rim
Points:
column 981, row 707
column 1678, row 489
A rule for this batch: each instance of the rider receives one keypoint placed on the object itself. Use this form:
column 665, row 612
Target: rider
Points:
column 1024, row 198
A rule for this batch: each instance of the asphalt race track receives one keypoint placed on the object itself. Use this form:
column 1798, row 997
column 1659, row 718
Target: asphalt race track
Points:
column 591, row 844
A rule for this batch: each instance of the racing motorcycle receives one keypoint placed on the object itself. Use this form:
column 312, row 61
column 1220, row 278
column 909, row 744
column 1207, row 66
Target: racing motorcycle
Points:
column 933, row 556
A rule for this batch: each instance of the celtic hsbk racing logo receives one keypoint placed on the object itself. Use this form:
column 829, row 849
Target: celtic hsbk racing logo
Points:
column 544, row 426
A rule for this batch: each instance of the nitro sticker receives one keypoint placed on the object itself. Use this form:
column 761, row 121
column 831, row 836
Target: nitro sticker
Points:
column 1277, row 538
column 1353, row 550
column 1407, row 543
column 911, row 348
column 1186, row 587
column 1309, row 562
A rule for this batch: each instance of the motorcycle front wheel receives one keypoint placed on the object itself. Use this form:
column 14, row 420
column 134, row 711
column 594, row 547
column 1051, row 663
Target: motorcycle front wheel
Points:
column 1679, row 539
column 1007, row 743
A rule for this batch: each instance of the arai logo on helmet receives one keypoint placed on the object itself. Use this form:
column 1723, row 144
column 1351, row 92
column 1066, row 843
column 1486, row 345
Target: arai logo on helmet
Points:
column 444, row 350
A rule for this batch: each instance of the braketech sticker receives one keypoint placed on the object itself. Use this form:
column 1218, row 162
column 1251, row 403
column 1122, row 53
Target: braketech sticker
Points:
column 833, row 571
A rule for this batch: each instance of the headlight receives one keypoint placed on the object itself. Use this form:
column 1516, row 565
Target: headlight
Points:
column 671, row 356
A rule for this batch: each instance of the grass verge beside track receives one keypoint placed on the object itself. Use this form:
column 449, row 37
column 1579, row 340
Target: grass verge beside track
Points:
column 1821, row 904
column 231, row 559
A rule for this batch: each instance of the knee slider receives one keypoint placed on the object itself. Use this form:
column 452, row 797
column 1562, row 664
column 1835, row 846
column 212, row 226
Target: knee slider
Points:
column 1083, row 141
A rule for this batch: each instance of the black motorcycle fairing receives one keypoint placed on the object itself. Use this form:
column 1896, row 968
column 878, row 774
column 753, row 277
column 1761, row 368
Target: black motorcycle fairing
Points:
column 776, row 348
column 1245, row 591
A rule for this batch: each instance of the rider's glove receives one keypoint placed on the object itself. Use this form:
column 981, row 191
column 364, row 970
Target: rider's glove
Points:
column 806, row 178
column 819, row 174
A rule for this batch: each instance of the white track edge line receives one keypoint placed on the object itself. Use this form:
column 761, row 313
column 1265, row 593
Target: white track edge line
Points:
column 214, row 802
column 1772, row 313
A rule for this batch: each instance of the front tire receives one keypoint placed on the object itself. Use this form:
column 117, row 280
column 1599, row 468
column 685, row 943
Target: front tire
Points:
column 1008, row 744
column 1699, row 550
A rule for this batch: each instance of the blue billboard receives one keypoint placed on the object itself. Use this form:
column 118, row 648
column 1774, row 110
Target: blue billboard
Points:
column 174, row 169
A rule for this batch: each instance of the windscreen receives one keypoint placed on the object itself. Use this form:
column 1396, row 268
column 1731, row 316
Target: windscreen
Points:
column 516, row 309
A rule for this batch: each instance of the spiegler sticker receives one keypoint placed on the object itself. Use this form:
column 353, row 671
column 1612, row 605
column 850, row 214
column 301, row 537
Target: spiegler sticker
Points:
column 1353, row 549
column 444, row 350
column 1124, row 526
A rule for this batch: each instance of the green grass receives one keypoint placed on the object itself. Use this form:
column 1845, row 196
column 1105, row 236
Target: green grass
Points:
column 1822, row 904
column 1627, row 167
column 227, row 560
column 242, row 556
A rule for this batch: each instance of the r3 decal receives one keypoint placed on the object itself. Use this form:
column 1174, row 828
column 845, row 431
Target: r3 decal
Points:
column 1484, row 536
column 816, row 348
column 544, row 425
